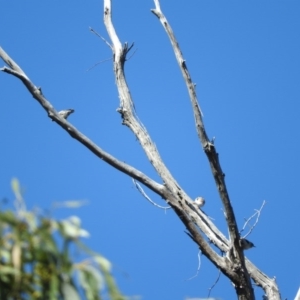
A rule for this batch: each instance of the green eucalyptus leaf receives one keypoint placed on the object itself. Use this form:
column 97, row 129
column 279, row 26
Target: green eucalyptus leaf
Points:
column 104, row 263
column 69, row 292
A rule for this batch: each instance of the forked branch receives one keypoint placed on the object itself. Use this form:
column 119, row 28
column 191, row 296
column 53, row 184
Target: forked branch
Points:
column 36, row 92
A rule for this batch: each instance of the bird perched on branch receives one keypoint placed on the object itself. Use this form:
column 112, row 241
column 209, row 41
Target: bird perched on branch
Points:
column 245, row 244
column 199, row 202
column 65, row 113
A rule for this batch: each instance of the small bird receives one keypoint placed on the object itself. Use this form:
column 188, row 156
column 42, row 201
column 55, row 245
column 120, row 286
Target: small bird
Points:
column 65, row 113
column 199, row 202
column 245, row 244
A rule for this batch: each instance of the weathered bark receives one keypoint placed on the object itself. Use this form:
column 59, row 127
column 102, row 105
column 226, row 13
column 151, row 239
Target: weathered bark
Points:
column 234, row 265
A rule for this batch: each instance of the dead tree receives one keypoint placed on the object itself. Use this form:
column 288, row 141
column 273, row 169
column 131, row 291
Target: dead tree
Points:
column 233, row 263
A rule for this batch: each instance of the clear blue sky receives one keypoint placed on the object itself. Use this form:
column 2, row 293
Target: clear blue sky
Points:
column 244, row 57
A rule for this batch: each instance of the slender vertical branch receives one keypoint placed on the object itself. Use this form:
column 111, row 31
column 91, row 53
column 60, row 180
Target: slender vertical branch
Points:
column 127, row 109
column 208, row 147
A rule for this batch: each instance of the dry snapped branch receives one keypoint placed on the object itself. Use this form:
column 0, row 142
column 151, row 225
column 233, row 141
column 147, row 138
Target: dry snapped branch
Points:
column 232, row 262
column 140, row 189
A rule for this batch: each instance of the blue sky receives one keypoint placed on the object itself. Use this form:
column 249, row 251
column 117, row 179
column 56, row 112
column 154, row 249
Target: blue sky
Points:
column 244, row 57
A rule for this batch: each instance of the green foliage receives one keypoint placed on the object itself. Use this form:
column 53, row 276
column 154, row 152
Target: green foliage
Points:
column 35, row 261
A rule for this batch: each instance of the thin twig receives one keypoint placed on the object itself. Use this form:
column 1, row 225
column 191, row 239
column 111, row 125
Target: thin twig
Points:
column 101, row 37
column 131, row 54
column 140, row 189
column 199, row 265
column 257, row 214
column 210, row 289
column 98, row 63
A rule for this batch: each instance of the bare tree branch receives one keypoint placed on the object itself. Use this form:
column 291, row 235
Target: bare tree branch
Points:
column 76, row 134
column 125, row 168
column 200, row 228
column 213, row 158
column 127, row 108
